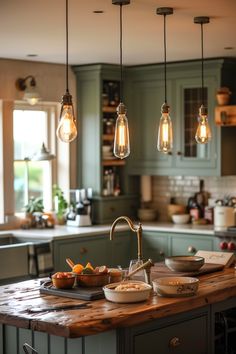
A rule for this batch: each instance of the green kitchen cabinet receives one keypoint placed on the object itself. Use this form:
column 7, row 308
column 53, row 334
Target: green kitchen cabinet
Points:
column 98, row 97
column 155, row 245
column 145, row 94
column 189, row 244
column 97, row 249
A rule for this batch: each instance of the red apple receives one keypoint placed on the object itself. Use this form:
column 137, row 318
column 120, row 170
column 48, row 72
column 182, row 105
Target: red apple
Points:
column 231, row 246
column 223, row 245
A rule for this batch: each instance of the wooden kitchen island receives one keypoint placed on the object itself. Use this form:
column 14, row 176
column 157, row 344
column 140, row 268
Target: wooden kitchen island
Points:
column 159, row 325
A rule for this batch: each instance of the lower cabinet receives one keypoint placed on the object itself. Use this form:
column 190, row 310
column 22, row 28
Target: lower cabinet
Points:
column 155, row 246
column 189, row 244
column 187, row 333
column 97, row 249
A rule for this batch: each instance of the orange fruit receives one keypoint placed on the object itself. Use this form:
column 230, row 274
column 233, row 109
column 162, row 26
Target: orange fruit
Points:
column 77, row 268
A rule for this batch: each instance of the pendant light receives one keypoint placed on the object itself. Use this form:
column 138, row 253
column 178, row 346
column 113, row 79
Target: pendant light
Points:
column 165, row 133
column 66, row 130
column 121, row 140
column 203, row 133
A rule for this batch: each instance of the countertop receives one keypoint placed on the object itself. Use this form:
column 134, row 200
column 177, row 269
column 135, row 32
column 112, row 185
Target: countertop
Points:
column 17, row 299
column 60, row 232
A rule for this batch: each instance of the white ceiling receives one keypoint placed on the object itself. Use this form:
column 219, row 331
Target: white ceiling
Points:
column 38, row 27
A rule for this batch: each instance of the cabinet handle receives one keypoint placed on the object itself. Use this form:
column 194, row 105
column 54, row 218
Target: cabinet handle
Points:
column 179, row 153
column 174, row 342
column 169, row 153
column 112, row 209
column 83, row 250
column 162, row 253
column 192, row 249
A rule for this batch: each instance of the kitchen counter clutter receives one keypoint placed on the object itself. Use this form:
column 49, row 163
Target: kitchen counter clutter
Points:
column 114, row 323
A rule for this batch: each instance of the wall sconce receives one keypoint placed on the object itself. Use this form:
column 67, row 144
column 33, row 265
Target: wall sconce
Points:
column 30, row 95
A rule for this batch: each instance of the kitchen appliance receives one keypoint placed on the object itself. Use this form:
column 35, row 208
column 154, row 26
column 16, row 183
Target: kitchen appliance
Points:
column 224, row 216
column 80, row 209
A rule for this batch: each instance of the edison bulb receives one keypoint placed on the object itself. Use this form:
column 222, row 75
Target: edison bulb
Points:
column 121, row 140
column 66, row 130
column 165, row 133
column 203, row 133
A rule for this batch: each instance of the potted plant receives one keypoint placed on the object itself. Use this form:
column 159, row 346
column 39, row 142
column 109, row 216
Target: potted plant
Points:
column 35, row 205
column 60, row 205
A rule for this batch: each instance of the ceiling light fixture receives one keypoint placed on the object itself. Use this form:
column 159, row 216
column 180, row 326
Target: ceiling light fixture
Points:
column 43, row 155
column 66, row 130
column 203, row 133
column 121, row 140
column 165, row 131
column 30, row 93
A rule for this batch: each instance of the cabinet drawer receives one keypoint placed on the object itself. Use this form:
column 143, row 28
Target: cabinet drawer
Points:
column 107, row 209
column 187, row 337
column 187, row 244
column 155, row 246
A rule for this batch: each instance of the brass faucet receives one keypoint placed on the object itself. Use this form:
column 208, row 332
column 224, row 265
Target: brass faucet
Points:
column 138, row 230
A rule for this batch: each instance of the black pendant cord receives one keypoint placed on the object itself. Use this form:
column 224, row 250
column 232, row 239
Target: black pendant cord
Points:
column 202, row 64
column 67, row 84
column 165, row 57
column 121, row 56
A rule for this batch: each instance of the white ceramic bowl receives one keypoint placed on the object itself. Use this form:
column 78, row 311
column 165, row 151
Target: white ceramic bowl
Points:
column 184, row 263
column 175, row 286
column 121, row 296
column 180, row 218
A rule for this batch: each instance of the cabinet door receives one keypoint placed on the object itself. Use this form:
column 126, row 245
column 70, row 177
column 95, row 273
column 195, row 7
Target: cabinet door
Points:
column 181, row 338
column 189, row 154
column 95, row 250
column 121, row 249
column 186, row 244
column 145, row 98
column 155, row 246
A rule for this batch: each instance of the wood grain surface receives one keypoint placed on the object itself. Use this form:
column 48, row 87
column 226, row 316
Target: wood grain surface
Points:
column 16, row 300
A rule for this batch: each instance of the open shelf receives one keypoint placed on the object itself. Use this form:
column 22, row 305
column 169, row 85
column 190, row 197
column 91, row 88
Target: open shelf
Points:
column 109, row 109
column 113, row 162
column 109, row 137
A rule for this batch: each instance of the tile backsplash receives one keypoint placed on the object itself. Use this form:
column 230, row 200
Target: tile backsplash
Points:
column 183, row 187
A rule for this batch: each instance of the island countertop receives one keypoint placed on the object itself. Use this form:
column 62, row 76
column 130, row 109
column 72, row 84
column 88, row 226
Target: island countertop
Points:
column 16, row 300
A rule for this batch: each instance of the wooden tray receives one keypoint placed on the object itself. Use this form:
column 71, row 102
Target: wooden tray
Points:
column 161, row 270
column 74, row 293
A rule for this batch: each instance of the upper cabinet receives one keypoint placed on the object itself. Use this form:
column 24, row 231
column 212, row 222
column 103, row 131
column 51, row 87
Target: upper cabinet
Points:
column 144, row 97
column 98, row 96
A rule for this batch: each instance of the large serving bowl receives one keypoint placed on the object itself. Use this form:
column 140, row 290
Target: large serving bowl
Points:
column 141, row 293
column 175, row 286
column 92, row 280
column 184, row 263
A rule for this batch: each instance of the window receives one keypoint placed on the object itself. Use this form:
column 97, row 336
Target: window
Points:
column 23, row 129
column 31, row 128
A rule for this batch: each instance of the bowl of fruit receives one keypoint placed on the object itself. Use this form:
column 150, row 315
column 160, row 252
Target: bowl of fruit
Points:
column 88, row 276
column 63, row 280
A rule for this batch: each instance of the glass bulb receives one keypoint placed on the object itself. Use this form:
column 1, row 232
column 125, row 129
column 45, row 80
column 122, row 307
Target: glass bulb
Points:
column 165, row 134
column 203, row 133
column 121, row 141
column 66, row 130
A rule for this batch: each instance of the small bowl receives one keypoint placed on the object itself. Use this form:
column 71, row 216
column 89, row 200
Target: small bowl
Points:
column 92, row 280
column 180, row 218
column 175, row 286
column 124, row 296
column 64, row 282
column 184, row 263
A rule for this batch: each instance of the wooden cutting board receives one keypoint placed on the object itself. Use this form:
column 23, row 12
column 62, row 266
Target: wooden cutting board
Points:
column 75, row 293
column 161, row 270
